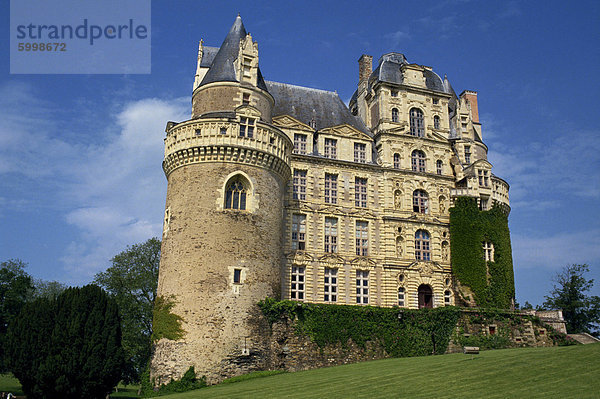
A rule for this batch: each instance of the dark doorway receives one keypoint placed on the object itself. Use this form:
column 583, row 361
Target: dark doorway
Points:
column 425, row 296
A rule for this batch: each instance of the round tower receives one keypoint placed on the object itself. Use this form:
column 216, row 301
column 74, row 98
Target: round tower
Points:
column 227, row 169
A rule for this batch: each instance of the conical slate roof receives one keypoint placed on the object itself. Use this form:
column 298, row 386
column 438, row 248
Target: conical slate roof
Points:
column 222, row 68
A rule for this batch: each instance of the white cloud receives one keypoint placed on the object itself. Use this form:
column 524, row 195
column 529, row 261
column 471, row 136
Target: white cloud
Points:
column 556, row 251
column 567, row 164
column 397, row 37
column 112, row 192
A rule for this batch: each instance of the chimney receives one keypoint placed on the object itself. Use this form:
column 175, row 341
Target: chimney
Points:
column 365, row 67
column 471, row 97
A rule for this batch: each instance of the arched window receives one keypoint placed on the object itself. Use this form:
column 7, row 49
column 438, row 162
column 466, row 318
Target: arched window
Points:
column 396, row 161
column 418, row 161
column 401, row 293
column 436, row 122
column 438, row 166
column 422, row 248
column 235, row 194
column 394, row 115
column 417, row 125
column 420, row 201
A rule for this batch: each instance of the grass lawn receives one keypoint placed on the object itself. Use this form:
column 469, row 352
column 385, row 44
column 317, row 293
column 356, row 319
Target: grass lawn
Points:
column 563, row 372
column 8, row 383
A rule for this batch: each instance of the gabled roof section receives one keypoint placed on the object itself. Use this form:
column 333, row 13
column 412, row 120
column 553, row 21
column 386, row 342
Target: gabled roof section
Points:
column 326, row 108
column 222, row 67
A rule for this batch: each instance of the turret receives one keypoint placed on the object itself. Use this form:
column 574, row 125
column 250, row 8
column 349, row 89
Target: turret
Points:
column 227, row 170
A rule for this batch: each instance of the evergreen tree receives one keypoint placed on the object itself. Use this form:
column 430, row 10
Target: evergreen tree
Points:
column 69, row 347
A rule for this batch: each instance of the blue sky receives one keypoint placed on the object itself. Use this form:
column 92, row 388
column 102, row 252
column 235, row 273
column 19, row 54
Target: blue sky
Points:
column 80, row 155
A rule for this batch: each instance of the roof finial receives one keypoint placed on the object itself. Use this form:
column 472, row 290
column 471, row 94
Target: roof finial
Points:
column 239, row 14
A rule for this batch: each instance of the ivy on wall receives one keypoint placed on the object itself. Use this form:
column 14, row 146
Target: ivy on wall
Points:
column 492, row 283
column 164, row 323
column 402, row 332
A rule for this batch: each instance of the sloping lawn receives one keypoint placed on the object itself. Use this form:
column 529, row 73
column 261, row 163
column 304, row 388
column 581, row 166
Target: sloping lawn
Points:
column 564, row 372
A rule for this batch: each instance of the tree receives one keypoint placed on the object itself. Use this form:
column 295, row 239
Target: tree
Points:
column 48, row 289
column 16, row 287
column 132, row 281
column 68, row 347
column 581, row 312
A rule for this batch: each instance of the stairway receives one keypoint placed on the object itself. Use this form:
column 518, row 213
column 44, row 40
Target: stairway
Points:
column 584, row 338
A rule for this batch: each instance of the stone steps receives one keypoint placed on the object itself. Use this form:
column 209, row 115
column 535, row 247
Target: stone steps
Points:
column 584, row 338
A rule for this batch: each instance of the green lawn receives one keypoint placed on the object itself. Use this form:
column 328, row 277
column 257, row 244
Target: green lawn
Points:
column 8, row 383
column 563, row 372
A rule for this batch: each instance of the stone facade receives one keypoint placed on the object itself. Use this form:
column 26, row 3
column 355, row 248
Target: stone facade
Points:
column 284, row 191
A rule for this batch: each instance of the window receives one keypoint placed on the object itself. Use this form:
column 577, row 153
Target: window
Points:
column 298, row 232
column 299, row 185
column 488, row 251
column 297, row 287
column 467, row 154
column 246, row 127
column 299, row 143
column 247, row 67
column 401, row 293
column 394, row 115
column 422, row 251
column 420, row 201
column 237, row 276
column 436, row 122
column 198, row 132
column 360, row 152
column 223, row 130
column 483, row 178
column 417, row 125
column 246, row 98
column 235, row 195
column 330, row 285
column 362, row 238
column 360, row 192
column 331, row 235
column 418, row 161
column 330, row 188
column 331, row 148
column 438, row 166
column 394, row 93
column 483, row 204
column 396, row 161
column 436, row 101
column 362, row 286
column 447, row 298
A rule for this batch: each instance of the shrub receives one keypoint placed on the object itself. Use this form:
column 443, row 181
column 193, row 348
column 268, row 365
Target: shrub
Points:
column 69, row 347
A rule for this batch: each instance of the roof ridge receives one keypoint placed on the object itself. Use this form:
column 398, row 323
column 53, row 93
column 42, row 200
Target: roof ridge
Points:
column 304, row 87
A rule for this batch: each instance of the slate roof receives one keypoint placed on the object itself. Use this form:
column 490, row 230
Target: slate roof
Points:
column 305, row 104
column 208, row 56
column 222, row 66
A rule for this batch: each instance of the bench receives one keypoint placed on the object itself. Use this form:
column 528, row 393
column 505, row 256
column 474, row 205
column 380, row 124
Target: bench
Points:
column 471, row 350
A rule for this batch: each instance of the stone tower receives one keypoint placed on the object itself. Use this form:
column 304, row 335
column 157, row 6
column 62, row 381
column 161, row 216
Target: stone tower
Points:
column 227, row 170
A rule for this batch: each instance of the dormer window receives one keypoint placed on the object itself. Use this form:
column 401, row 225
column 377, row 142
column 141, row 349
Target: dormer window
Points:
column 483, row 178
column 394, row 115
column 467, row 154
column 436, row 122
column 330, row 148
column 246, row 127
column 247, row 67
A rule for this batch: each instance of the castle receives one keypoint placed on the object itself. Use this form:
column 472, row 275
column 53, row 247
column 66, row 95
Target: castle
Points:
column 284, row 191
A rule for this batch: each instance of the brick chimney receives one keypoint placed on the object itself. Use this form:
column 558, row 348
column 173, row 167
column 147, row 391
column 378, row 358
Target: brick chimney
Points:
column 471, row 97
column 365, row 67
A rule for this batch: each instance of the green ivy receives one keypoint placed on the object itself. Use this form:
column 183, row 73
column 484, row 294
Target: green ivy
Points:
column 164, row 323
column 402, row 332
column 469, row 227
